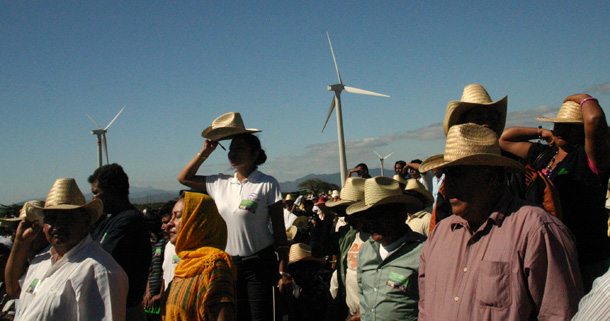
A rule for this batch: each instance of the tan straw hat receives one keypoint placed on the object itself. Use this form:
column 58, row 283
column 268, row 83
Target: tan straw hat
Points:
column 289, row 197
column 291, row 232
column 474, row 95
column 300, row 252
column 352, row 192
column 65, row 195
column 382, row 190
column 227, row 126
column 569, row 112
column 399, row 179
column 414, row 186
column 30, row 212
column 470, row 144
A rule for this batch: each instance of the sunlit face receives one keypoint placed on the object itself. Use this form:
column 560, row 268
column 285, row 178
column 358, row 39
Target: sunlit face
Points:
column 414, row 173
column 65, row 228
column 398, row 169
column 240, row 154
column 482, row 116
column 174, row 223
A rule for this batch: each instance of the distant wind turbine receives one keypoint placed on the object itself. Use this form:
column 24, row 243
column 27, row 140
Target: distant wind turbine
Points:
column 101, row 137
column 381, row 159
column 337, row 88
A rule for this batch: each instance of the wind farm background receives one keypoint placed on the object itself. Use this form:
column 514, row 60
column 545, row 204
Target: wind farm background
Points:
column 177, row 67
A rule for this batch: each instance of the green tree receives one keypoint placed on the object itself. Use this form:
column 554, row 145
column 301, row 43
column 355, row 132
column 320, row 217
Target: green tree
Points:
column 316, row 185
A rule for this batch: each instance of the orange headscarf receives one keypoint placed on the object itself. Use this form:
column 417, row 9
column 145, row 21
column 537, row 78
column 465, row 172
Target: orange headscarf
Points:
column 202, row 237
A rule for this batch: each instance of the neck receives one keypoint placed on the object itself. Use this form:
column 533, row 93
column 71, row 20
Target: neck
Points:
column 243, row 173
column 393, row 237
column 116, row 206
column 485, row 209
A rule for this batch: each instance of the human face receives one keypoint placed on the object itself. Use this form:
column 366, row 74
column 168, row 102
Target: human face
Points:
column 568, row 136
column 482, row 116
column 240, row 154
column 174, row 222
column 385, row 223
column 96, row 191
column 414, row 173
column 398, row 169
column 469, row 192
column 65, row 228
column 165, row 226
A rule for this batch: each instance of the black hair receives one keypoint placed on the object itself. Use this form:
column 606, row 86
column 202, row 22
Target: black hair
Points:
column 363, row 165
column 401, row 162
column 166, row 209
column 416, row 161
column 111, row 179
column 255, row 145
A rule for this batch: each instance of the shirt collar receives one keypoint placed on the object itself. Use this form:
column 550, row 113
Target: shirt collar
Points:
column 254, row 176
column 496, row 217
column 73, row 250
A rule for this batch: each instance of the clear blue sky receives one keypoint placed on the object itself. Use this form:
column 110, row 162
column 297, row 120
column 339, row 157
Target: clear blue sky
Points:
column 177, row 66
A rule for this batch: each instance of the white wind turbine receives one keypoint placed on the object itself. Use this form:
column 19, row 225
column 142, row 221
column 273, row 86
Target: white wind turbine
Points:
column 101, row 137
column 381, row 159
column 338, row 88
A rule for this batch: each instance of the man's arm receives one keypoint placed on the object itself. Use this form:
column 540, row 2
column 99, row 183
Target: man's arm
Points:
column 17, row 264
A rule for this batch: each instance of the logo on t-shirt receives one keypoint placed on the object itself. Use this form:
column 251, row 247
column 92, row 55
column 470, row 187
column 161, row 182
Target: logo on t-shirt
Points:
column 250, row 204
column 397, row 281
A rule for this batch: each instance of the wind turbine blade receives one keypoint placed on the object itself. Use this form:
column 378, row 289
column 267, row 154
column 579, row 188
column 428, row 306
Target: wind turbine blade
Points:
column 115, row 117
column 105, row 147
column 377, row 153
column 362, row 91
column 98, row 126
column 388, row 155
column 334, row 59
column 330, row 111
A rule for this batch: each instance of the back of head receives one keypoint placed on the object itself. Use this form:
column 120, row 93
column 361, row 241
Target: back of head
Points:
column 111, row 179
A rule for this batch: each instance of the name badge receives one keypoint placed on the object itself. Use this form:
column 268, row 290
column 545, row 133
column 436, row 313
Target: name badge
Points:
column 175, row 259
column 32, row 287
column 397, row 281
column 250, row 204
column 158, row 251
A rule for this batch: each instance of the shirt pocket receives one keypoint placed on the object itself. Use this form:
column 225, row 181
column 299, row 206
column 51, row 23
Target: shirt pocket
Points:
column 493, row 286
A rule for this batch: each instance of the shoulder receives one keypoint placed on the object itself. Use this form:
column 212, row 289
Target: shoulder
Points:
column 264, row 178
column 530, row 218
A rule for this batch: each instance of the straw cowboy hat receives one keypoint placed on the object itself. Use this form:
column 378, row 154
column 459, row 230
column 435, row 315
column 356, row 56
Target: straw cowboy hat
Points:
column 352, row 192
column 289, row 197
column 415, row 187
column 474, row 95
column 30, row 212
column 301, row 252
column 470, row 144
column 291, row 232
column 227, row 126
column 399, row 179
column 382, row 190
column 569, row 112
column 65, row 195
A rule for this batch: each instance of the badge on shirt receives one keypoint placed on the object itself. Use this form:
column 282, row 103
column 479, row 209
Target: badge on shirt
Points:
column 175, row 259
column 158, row 251
column 250, row 204
column 397, row 281
column 32, row 288
column 103, row 238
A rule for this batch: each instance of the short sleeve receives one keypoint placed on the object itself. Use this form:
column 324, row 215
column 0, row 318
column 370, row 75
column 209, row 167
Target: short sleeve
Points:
column 275, row 195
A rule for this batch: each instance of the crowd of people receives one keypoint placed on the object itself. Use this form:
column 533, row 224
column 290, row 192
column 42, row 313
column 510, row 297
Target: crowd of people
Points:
column 506, row 224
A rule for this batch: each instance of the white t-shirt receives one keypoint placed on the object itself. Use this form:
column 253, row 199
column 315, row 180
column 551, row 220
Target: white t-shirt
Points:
column 351, row 276
column 289, row 218
column 245, row 208
column 85, row 284
column 170, row 261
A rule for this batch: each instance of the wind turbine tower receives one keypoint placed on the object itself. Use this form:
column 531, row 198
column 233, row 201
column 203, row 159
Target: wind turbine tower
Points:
column 381, row 159
column 336, row 102
column 101, row 138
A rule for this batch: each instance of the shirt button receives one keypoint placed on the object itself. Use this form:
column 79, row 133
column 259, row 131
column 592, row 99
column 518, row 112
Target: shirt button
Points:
column 375, row 289
column 456, row 299
column 465, row 270
column 372, row 310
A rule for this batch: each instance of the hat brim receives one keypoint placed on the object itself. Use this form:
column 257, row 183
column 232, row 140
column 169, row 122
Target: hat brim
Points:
column 412, row 204
column 560, row 120
column 456, row 108
column 224, row 133
column 424, row 194
column 307, row 259
column 95, row 209
column 438, row 161
column 339, row 203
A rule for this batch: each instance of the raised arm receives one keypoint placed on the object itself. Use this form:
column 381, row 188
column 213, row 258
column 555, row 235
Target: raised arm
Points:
column 187, row 176
column 596, row 130
column 515, row 140
column 17, row 263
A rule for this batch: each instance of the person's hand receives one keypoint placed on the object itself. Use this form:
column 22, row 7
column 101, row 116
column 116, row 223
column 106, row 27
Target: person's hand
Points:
column 547, row 135
column 208, row 147
column 286, row 284
column 577, row 98
column 26, row 232
column 355, row 317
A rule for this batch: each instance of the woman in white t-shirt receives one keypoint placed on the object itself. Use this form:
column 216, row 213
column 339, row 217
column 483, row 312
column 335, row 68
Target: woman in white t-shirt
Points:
column 247, row 201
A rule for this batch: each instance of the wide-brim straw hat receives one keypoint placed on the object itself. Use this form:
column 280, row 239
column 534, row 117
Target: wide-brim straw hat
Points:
column 414, row 186
column 65, row 195
column 399, row 179
column 291, row 232
column 352, row 192
column 301, row 252
column 475, row 95
column 227, row 126
column 30, row 211
column 470, row 144
column 382, row 190
column 569, row 112
column 289, row 197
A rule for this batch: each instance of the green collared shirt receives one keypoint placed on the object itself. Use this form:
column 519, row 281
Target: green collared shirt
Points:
column 388, row 288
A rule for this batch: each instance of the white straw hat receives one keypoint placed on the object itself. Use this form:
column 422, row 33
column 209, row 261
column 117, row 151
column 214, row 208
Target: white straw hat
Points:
column 352, row 192
column 300, row 252
column 470, row 144
column 569, row 112
column 414, row 186
column 474, row 95
column 382, row 190
column 227, row 126
column 30, row 211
